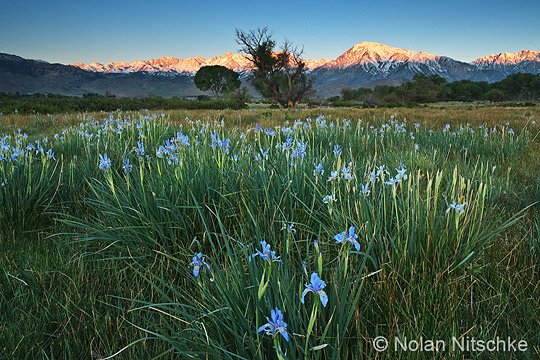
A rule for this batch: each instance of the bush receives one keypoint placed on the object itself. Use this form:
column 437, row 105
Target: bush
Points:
column 429, row 89
column 52, row 104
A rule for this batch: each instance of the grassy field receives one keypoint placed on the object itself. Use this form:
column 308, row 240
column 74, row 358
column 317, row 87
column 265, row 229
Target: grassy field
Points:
column 422, row 223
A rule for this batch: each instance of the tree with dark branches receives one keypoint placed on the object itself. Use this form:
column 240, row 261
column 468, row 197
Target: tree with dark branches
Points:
column 279, row 75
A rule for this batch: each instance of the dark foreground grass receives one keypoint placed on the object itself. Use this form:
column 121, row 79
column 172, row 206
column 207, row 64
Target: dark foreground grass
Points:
column 96, row 261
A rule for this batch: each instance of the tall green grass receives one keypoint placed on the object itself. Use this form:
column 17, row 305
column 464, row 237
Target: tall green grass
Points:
column 424, row 268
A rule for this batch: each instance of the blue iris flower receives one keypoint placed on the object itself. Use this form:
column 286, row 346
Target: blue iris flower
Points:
column 275, row 325
column 382, row 170
column 333, row 175
column 316, row 286
column 198, row 262
column 139, row 150
column 16, row 154
column 320, row 121
column 170, row 146
column 329, row 199
column 220, row 143
column 162, row 151
column 182, row 139
column 364, row 188
column 266, row 254
column 459, row 208
column 50, row 154
column 299, row 151
column 287, row 130
column 350, row 237
column 263, row 153
column 288, row 144
column 346, row 173
column 337, row 150
column 319, row 169
column 401, row 172
column 104, row 162
column 290, row 228
column 126, row 166
column 392, row 181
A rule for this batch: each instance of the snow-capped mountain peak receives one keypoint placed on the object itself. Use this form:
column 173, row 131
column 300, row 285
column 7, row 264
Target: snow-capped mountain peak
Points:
column 372, row 52
column 507, row 58
column 169, row 64
column 366, row 63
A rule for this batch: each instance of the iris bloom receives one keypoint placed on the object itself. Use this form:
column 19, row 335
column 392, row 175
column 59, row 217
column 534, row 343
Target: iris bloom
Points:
column 364, row 188
column 319, row 169
column 139, row 150
column 290, row 228
column 217, row 142
column 299, row 151
column 126, row 166
column 401, row 173
column 392, row 181
column 346, row 173
column 459, row 208
column 16, row 154
column 198, row 262
column 50, row 154
column 266, row 254
column 104, row 162
column 329, row 199
column 182, row 139
column 288, row 144
column 275, row 325
column 373, row 176
column 382, row 170
column 350, row 237
column 320, row 121
column 162, row 151
column 333, row 175
column 337, row 150
column 316, row 286
column 264, row 154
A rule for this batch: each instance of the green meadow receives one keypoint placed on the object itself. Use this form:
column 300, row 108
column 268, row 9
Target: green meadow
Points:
column 137, row 235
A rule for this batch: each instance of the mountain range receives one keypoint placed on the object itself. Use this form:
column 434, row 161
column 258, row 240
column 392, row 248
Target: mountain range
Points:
column 366, row 64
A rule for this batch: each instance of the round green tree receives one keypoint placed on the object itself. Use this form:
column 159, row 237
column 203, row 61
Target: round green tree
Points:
column 217, row 79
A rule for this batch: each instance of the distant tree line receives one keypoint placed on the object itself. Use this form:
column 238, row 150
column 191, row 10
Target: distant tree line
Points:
column 52, row 103
column 430, row 89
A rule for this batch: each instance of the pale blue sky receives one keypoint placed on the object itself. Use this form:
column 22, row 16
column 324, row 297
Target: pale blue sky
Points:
column 70, row 31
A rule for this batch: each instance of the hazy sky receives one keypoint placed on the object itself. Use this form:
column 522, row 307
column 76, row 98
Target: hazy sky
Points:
column 72, row 31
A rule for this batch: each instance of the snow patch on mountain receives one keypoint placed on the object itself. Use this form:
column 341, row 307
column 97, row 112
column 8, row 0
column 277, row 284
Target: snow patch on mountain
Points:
column 170, row 64
column 372, row 53
column 507, row 58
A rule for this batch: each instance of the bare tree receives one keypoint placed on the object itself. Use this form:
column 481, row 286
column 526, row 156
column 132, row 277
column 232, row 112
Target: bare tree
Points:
column 278, row 75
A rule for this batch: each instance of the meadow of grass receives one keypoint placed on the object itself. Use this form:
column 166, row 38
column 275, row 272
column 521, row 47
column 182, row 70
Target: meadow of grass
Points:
column 420, row 222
